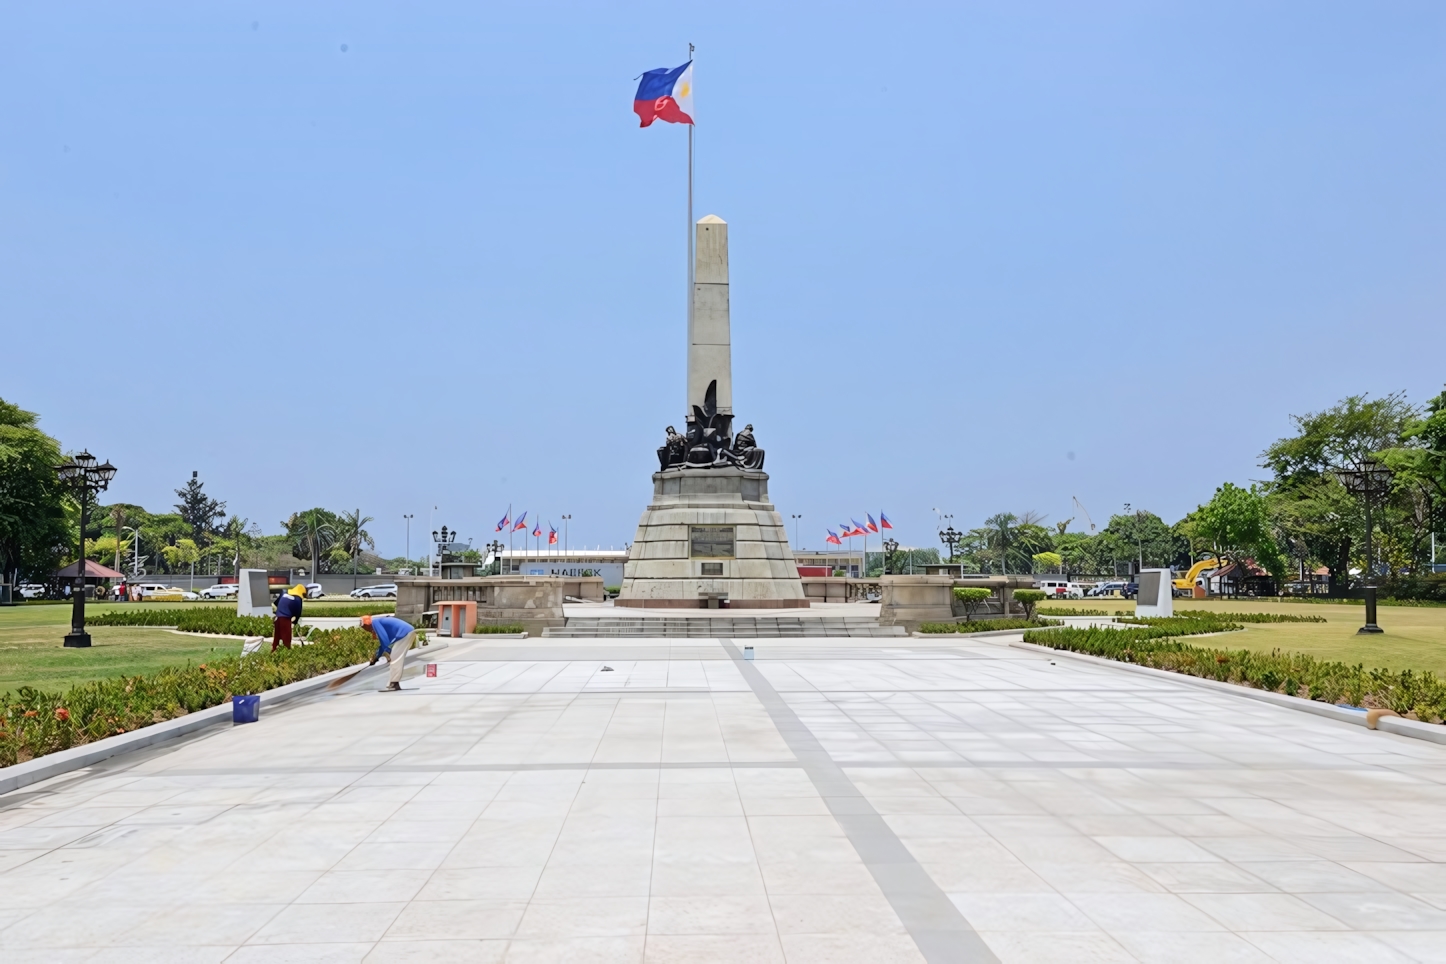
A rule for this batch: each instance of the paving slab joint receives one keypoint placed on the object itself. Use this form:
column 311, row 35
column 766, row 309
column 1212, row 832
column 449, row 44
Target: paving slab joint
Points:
column 1385, row 721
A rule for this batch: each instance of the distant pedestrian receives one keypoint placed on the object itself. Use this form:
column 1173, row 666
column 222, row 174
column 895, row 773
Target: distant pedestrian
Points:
column 288, row 613
column 394, row 637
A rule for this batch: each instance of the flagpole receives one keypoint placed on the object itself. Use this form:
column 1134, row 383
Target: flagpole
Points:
column 690, row 221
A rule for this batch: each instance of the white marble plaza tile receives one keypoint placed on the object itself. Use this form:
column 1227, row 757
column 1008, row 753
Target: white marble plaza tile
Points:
column 875, row 948
column 1311, row 947
column 442, row 951
column 711, row 948
column 1051, row 947
column 341, row 952
column 713, row 914
column 1265, row 912
column 578, row 950
column 1190, row 947
column 457, row 919
column 364, row 886
column 566, row 918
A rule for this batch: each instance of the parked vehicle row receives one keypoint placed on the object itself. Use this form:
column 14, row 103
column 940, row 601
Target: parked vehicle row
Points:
column 386, row 590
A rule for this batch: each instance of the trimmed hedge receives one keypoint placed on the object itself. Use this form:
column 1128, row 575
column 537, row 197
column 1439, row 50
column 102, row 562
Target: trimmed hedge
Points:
column 1233, row 617
column 207, row 620
column 985, row 625
column 500, row 629
column 34, row 723
column 221, row 621
column 1158, row 645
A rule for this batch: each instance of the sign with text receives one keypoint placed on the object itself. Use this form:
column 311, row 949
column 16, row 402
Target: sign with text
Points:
column 711, row 542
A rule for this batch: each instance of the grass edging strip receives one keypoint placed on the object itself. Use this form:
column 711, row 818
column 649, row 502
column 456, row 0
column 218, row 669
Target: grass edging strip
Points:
column 54, row 764
column 1401, row 727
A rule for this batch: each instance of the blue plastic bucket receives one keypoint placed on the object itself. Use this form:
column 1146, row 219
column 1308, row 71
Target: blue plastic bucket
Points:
column 245, row 709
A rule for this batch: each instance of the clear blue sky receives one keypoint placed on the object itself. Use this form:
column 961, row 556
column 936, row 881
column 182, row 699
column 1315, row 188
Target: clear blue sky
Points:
column 984, row 256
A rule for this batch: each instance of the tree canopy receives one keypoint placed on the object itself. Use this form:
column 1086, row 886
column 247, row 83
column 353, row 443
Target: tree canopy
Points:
column 33, row 530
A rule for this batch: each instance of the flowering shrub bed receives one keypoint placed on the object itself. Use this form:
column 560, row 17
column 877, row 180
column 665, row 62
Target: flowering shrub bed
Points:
column 209, row 620
column 1157, row 644
column 34, row 723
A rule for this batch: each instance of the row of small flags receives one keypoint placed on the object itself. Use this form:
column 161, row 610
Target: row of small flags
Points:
column 851, row 528
column 520, row 525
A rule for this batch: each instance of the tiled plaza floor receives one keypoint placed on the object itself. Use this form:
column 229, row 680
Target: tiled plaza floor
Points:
column 833, row 800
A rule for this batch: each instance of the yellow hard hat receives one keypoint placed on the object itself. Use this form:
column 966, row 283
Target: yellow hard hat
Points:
column 296, row 590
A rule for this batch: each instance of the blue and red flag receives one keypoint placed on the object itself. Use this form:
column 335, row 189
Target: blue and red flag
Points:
column 506, row 521
column 884, row 521
column 665, row 95
column 521, row 522
column 551, row 535
column 872, row 526
column 537, row 530
column 858, row 529
column 832, row 537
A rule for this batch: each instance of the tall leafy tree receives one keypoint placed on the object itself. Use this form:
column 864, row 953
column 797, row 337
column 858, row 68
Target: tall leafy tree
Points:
column 200, row 511
column 313, row 533
column 1236, row 522
column 33, row 530
column 352, row 536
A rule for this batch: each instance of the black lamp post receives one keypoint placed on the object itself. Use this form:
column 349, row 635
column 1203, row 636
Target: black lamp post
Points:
column 891, row 546
column 496, row 548
column 1368, row 479
column 951, row 538
column 86, row 479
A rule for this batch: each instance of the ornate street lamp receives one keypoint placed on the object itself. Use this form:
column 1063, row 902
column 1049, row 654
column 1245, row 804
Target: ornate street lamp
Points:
column 891, row 546
column 85, row 479
column 951, row 537
column 1368, row 479
column 496, row 548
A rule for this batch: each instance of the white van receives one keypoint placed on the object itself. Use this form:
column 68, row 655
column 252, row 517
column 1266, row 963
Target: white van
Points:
column 1059, row 587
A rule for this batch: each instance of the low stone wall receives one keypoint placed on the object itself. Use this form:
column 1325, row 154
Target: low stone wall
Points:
column 910, row 600
column 535, row 602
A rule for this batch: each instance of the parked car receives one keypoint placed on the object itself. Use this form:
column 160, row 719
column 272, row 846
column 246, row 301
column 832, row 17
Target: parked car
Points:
column 1131, row 590
column 222, row 590
column 159, row 592
column 1108, row 588
column 314, row 591
column 1059, row 587
column 384, row 591
column 32, row 590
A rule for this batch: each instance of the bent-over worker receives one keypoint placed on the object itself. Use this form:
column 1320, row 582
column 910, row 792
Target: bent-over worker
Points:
column 288, row 613
column 394, row 637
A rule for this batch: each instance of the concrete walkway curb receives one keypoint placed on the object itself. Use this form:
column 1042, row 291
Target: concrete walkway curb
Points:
column 1414, row 729
column 55, row 764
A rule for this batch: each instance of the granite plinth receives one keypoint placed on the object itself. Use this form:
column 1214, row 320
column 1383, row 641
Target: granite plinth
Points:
column 664, row 571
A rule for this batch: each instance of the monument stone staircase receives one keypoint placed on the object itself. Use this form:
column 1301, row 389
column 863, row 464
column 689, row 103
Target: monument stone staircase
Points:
column 727, row 627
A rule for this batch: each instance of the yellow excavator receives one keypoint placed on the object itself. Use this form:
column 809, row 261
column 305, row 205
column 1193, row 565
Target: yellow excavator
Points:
column 1187, row 582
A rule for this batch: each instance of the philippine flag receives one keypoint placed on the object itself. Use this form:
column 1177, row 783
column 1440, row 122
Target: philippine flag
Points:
column 665, row 95
column 884, row 521
column 551, row 535
column 859, row 530
column 506, row 521
column 537, row 530
column 521, row 522
column 832, row 538
column 873, row 527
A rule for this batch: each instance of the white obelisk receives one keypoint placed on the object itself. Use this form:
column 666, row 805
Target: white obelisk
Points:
column 711, row 534
column 710, row 350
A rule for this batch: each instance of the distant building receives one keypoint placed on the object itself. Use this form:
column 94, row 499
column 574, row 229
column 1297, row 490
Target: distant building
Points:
column 607, row 563
column 851, row 563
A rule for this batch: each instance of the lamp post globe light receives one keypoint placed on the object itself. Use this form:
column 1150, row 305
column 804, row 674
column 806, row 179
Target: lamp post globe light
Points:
column 1368, row 479
column 951, row 537
column 85, row 479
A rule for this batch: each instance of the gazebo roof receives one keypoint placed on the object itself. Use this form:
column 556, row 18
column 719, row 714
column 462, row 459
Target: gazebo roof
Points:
column 93, row 570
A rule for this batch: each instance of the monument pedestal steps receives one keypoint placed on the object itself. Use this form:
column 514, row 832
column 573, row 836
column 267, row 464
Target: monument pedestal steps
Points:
column 721, row 627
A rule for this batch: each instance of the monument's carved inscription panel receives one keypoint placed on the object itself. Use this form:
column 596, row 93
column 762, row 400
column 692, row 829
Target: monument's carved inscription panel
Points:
column 711, row 542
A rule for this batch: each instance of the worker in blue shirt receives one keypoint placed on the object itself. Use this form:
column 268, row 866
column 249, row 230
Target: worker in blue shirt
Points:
column 288, row 613
column 394, row 637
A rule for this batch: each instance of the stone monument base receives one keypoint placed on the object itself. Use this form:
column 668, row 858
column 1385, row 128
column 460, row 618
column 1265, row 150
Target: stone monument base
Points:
column 709, row 539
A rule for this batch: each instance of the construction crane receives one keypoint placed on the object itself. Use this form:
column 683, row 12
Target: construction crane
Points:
column 1080, row 506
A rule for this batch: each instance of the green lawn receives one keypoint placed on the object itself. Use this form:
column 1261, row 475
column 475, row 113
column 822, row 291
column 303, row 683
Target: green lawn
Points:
column 1414, row 638
column 31, row 653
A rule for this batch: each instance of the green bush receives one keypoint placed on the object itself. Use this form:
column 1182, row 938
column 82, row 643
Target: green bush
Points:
column 500, row 629
column 1074, row 611
column 1029, row 598
column 1157, row 644
column 972, row 597
column 348, row 609
column 1245, row 617
column 34, row 723
column 200, row 620
column 985, row 626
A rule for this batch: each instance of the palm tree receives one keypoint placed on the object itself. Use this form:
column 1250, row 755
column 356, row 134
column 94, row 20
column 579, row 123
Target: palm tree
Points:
column 352, row 536
column 317, row 534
